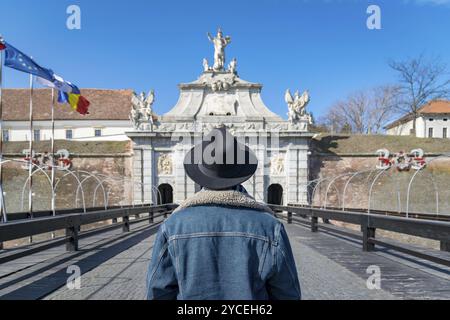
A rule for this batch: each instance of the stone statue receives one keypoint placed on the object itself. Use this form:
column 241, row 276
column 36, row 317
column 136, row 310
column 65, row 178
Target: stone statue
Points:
column 232, row 66
column 297, row 105
column 220, row 42
column 205, row 65
column 141, row 111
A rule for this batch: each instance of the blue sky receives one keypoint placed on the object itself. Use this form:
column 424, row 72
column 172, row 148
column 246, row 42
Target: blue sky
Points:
column 320, row 45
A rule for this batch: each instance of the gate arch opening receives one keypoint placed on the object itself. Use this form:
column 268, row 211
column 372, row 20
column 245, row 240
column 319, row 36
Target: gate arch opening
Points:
column 275, row 194
column 166, row 192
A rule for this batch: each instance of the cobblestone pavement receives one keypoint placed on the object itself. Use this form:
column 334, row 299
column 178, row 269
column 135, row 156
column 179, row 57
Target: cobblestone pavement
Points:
column 123, row 277
column 324, row 279
column 328, row 267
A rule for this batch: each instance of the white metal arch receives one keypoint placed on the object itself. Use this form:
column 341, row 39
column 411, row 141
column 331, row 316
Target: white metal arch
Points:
column 105, row 179
column 110, row 178
column 331, row 183
column 315, row 188
column 26, row 181
column 446, row 155
column 5, row 216
column 382, row 171
column 155, row 190
column 348, row 183
column 68, row 172
column 99, row 182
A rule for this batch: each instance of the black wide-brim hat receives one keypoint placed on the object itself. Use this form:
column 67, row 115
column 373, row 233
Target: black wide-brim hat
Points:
column 220, row 161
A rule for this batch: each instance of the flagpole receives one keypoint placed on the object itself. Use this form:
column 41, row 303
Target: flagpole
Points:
column 2, row 204
column 2, row 212
column 30, row 167
column 53, row 163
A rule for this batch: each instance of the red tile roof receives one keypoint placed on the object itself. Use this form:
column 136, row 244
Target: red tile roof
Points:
column 436, row 106
column 106, row 104
column 432, row 107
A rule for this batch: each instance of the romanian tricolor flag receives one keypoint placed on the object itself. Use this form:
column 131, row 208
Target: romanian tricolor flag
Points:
column 68, row 93
column 76, row 101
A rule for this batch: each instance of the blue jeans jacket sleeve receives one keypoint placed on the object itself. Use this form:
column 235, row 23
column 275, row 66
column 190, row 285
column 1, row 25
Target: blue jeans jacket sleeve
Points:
column 161, row 278
column 283, row 284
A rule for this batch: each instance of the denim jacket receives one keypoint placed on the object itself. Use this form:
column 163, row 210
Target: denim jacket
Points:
column 222, row 245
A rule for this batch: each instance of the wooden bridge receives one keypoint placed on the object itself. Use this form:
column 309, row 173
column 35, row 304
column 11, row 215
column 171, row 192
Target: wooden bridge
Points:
column 333, row 262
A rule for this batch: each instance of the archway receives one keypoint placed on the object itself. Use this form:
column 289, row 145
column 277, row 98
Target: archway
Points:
column 166, row 192
column 275, row 194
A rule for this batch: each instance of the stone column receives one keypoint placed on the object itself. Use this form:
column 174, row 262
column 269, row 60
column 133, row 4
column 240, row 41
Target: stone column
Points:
column 297, row 171
column 180, row 190
column 291, row 170
column 149, row 172
column 190, row 184
column 303, row 172
column 259, row 186
column 137, row 174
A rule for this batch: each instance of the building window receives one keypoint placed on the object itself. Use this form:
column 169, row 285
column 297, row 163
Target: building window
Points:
column 431, row 119
column 444, row 133
column 37, row 135
column 430, row 132
column 98, row 132
column 5, row 135
column 69, row 134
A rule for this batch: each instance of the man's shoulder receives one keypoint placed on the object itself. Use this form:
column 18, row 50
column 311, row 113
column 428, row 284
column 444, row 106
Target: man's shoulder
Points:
column 199, row 211
column 207, row 218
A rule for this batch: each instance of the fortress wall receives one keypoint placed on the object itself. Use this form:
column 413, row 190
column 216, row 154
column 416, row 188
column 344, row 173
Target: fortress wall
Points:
column 333, row 157
column 112, row 160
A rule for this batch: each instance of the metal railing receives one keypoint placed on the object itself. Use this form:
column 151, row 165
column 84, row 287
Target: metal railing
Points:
column 369, row 223
column 72, row 223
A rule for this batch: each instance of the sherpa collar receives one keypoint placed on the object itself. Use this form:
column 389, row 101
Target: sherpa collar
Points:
column 223, row 198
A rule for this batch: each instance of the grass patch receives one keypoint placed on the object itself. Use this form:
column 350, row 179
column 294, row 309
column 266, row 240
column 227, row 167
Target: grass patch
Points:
column 364, row 144
column 79, row 147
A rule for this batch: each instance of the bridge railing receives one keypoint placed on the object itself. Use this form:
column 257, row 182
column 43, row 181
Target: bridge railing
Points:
column 369, row 223
column 14, row 216
column 71, row 223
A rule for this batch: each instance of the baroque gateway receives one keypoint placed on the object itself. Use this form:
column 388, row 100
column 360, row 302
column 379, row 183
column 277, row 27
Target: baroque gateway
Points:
column 220, row 97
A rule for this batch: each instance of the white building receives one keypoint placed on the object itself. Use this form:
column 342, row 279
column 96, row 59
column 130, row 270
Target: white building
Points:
column 108, row 117
column 433, row 122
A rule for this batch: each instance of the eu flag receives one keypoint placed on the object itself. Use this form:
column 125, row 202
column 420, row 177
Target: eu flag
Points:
column 17, row 60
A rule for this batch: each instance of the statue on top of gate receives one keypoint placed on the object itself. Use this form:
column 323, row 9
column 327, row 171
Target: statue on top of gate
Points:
column 220, row 42
column 141, row 110
column 297, row 105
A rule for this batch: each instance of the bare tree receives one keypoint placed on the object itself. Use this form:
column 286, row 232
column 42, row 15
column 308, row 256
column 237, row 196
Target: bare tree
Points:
column 383, row 107
column 364, row 112
column 420, row 81
column 356, row 111
column 334, row 121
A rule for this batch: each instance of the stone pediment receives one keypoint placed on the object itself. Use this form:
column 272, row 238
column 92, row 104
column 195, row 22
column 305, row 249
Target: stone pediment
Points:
column 220, row 94
column 219, row 81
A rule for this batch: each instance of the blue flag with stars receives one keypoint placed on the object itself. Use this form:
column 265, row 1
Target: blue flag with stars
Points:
column 17, row 60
